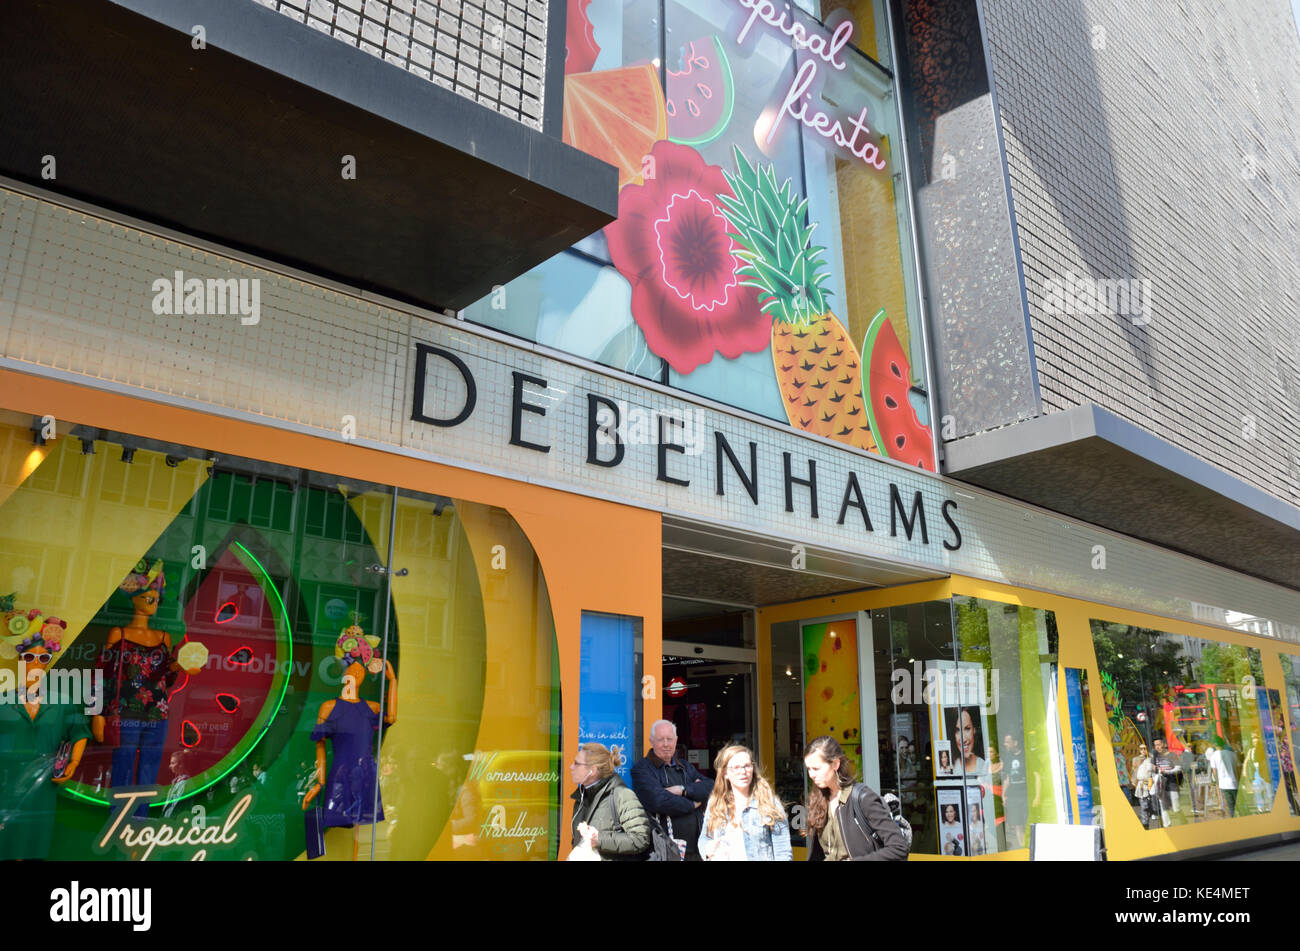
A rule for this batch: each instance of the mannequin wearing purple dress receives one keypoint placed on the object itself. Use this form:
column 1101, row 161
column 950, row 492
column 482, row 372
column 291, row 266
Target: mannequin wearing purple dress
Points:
column 350, row 795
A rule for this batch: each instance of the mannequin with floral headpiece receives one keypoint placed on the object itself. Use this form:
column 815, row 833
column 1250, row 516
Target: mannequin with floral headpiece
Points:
column 42, row 734
column 349, row 723
column 140, row 669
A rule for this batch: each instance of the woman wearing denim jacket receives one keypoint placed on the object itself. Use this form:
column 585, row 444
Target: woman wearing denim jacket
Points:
column 744, row 821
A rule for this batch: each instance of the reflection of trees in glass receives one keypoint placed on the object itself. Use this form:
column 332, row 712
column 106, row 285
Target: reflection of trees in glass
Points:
column 1141, row 664
column 1230, row 664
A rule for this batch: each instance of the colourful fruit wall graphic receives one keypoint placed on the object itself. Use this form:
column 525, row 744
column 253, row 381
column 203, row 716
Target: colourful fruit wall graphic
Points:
column 719, row 94
column 817, row 365
column 886, row 380
column 671, row 244
column 701, row 94
column 830, row 685
column 205, row 739
column 580, row 46
column 616, row 115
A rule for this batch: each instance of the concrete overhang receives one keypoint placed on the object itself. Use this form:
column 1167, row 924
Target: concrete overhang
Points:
column 1090, row 464
column 243, row 141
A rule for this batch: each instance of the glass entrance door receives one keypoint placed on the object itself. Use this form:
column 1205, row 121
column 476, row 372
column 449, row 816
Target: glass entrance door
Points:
column 710, row 696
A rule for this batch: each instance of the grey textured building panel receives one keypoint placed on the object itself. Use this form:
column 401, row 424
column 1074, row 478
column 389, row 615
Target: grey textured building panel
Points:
column 1161, row 144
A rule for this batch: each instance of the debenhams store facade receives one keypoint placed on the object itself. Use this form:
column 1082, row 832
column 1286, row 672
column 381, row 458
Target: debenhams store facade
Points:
column 520, row 549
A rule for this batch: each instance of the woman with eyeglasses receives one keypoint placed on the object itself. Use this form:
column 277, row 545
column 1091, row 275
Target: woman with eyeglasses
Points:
column 43, row 732
column 607, row 815
column 744, row 820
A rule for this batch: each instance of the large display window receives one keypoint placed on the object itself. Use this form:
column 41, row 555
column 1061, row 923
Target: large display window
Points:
column 960, row 695
column 762, row 253
column 968, row 729
column 995, row 709
column 223, row 658
column 1194, row 727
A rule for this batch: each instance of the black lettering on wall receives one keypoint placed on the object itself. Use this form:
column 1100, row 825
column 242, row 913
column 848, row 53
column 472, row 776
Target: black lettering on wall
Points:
column 594, row 429
column 518, row 408
column 422, row 352
column 750, row 481
column 665, row 447
column 951, row 524
column 909, row 521
column 791, row 482
column 853, row 497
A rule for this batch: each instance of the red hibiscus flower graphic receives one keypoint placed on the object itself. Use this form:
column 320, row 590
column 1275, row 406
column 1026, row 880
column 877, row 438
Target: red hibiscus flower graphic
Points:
column 671, row 242
column 580, row 46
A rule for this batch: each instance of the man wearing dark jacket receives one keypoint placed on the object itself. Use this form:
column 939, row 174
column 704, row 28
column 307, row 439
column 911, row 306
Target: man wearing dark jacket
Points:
column 670, row 788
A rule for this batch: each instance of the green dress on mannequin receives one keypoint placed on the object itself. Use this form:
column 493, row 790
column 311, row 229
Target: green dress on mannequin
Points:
column 30, row 736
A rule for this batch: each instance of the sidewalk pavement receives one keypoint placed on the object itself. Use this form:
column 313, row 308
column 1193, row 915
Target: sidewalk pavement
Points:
column 1288, row 852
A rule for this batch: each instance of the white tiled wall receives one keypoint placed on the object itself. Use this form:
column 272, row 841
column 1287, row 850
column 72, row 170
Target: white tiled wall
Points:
column 491, row 51
column 76, row 295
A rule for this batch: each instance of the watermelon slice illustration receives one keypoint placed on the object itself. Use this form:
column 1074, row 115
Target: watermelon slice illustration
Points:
column 886, row 379
column 701, row 93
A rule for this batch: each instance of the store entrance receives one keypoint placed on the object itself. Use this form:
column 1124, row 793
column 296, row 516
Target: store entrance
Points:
column 709, row 677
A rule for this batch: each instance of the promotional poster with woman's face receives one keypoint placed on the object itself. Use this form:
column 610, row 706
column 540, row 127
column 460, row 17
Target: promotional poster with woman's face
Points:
column 963, row 775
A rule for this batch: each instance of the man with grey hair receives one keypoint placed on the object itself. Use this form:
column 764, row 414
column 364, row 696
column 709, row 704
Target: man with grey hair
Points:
column 672, row 789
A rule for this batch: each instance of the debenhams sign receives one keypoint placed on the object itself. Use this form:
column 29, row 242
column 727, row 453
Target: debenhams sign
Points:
column 578, row 429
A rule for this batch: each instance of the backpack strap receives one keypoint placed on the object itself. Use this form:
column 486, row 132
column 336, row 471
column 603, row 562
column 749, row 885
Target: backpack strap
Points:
column 857, row 802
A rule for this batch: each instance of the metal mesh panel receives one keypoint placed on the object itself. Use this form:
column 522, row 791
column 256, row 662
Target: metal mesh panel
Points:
column 491, row 51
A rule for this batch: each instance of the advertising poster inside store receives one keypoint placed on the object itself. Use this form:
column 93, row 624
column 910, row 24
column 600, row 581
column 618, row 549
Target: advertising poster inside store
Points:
column 830, row 663
column 959, row 724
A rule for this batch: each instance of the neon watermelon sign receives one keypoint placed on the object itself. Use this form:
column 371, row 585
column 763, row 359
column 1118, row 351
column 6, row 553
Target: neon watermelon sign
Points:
column 797, row 104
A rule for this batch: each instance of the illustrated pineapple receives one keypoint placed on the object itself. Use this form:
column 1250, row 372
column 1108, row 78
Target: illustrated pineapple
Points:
column 817, row 365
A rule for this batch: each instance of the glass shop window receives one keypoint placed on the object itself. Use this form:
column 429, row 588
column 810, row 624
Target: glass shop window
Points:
column 212, row 651
column 1194, row 729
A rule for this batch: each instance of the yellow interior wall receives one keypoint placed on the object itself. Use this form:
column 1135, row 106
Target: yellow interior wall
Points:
column 76, row 524
column 19, row 457
column 519, row 645
column 864, row 37
column 873, row 264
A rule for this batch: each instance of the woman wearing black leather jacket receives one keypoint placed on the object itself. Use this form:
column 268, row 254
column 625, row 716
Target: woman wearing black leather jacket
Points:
column 847, row 821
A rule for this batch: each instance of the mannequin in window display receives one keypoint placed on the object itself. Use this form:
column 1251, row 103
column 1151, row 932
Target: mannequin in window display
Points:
column 42, row 736
column 139, row 669
column 349, row 724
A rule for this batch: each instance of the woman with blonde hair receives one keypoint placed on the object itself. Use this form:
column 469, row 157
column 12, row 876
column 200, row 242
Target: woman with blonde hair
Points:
column 607, row 815
column 744, row 820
